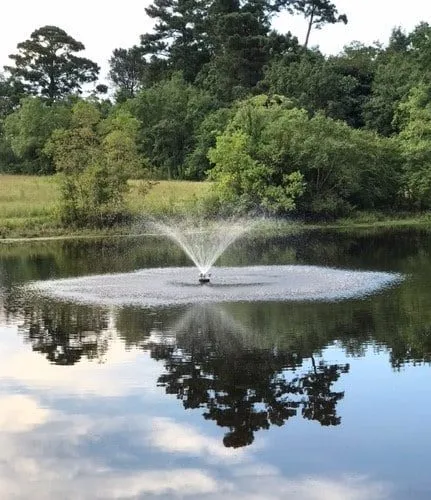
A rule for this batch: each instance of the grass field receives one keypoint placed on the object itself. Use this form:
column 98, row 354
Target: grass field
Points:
column 28, row 203
column 28, row 207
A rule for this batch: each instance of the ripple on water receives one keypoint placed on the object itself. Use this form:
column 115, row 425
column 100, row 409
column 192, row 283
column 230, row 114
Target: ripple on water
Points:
column 179, row 285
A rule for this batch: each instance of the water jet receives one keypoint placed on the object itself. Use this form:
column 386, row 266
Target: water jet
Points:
column 204, row 241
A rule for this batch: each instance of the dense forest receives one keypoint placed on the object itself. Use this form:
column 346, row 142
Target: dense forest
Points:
column 214, row 93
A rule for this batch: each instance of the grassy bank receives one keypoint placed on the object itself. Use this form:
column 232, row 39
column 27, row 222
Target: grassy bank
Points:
column 28, row 207
column 28, row 204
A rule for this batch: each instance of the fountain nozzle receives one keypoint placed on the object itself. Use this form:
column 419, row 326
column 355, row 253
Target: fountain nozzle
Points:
column 204, row 278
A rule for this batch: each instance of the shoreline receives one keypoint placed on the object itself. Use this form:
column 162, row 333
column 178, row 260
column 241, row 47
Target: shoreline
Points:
column 271, row 226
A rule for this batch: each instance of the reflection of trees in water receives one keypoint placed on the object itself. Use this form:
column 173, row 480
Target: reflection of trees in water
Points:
column 215, row 365
column 64, row 333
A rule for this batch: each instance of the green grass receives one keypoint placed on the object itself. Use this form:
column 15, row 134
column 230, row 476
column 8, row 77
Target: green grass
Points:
column 28, row 203
column 167, row 197
column 28, row 208
column 27, row 196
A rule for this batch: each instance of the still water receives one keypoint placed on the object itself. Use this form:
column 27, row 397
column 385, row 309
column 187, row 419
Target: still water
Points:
column 303, row 400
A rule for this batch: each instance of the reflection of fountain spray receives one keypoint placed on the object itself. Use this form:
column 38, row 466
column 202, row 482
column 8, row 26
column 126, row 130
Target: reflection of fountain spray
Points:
column 204, row 242
column 211, row 322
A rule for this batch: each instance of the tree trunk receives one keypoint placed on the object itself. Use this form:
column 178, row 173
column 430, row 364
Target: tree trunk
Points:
column 310, row 25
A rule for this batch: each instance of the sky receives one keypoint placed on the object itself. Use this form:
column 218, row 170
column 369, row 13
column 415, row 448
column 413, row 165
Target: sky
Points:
column 103, row 26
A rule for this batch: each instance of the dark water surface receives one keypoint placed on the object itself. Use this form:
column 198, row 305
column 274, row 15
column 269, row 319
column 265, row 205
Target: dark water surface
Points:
column 303, row 400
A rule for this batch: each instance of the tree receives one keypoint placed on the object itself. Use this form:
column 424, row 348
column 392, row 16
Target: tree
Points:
column 129, row 71
column 169, row 113
column 240, row 386
column 11, row 92
column 342, row 168
column 65, row 334
column 28, row 129
column 403, row 65
column 47, row 66
column 196, row 162
column 94, row 160
column 221, row 45
column 244, row 172
column 275, row 156
column 239, row 41
column 179, row 41
column 340, row 85
column 414, row 117
column 317, row 13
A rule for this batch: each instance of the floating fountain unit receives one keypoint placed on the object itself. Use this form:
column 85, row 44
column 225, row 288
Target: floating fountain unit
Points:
column 204, row 278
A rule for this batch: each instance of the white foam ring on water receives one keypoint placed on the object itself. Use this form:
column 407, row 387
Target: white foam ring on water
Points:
column 169, row 286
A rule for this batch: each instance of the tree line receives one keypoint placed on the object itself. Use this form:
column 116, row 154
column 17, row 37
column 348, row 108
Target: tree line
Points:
column 213, row 92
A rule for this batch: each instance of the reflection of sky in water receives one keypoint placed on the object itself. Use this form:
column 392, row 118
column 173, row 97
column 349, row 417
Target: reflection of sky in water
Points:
column 107, row 431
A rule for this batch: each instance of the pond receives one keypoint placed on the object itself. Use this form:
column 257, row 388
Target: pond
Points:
column 217, row 399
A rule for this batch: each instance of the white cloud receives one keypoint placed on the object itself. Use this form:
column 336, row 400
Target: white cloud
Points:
column 177, row 482
column 19, row 413
column 51, row 453
column 20, row 365
column 60, row 457
column 175, row 437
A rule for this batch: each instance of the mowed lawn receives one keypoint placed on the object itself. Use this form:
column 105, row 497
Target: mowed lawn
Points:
column 28, row 203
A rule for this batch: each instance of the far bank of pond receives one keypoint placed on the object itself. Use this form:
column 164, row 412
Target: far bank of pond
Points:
column 28, row 210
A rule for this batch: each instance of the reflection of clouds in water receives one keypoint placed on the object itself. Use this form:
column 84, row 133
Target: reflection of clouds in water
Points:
column 54, row 461
column 54, row 452
column 20, row 365
column 258, row 486
column 19, row 413
column 249, row 479
column 174, row 437
column 89, row 482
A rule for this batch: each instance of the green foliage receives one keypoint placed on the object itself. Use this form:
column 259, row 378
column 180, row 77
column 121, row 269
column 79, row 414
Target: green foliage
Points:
column 93, row 159
column 7, row 158
column 179, row 41
column 414, row 116
column 169, row 113
column 277, row 157
column 339, row 85
column 404, row 65
column 28, row 128
column 239, row 37
column 221, row 46
column 129, row 72
column 205, row 138
column 332, row 134
column 343, row 168
column 46, row 64
column 246, row 178
column 11, row 92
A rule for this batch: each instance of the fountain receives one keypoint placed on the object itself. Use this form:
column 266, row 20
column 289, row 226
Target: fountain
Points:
column 204, row 241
